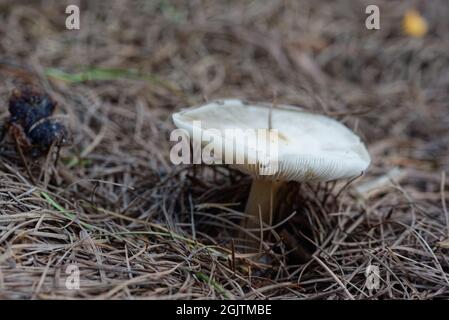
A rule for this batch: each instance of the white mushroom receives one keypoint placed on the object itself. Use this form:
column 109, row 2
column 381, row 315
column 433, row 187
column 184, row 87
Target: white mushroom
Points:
column 298, row 146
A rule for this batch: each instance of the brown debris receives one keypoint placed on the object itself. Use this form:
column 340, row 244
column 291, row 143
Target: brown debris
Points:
column 137, row 226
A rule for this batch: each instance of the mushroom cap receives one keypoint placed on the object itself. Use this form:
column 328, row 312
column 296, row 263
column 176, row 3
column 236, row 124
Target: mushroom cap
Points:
column 310, row 147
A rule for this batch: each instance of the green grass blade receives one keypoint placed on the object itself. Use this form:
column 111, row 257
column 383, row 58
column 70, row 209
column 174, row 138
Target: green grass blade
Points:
column 206, row 279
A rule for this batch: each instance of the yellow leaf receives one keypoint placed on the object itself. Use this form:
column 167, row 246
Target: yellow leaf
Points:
column 414, row 24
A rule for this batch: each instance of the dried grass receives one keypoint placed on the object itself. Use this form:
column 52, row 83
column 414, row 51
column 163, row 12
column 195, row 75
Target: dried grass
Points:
column 139, row 227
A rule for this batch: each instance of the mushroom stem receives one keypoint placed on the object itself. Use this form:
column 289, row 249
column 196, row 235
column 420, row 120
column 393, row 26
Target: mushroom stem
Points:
column 261, row 206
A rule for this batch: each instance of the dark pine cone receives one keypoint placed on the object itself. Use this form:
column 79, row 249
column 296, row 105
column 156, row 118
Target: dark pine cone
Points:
column 27, row 106
column 30, row 124
column 44, row 134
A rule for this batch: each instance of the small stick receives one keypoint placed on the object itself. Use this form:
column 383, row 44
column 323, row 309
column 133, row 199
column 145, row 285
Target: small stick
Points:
column 22, row 157
column 443, row 201
column 270, row 112
column 232, row 256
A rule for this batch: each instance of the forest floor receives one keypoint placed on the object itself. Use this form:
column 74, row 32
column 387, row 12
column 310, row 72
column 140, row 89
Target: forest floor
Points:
column 136, row 226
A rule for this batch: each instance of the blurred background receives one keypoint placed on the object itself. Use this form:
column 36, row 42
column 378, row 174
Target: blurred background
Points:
column 132, row 64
